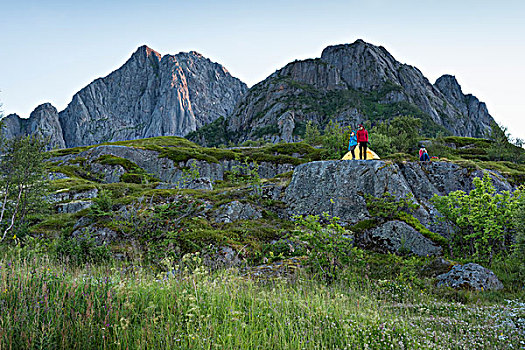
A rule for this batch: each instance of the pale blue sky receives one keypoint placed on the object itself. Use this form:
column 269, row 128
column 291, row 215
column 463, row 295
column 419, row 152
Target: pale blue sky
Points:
column 51, row 49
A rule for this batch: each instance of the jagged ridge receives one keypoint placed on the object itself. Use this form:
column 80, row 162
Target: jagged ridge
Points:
column 150, row 95
column 350, row 84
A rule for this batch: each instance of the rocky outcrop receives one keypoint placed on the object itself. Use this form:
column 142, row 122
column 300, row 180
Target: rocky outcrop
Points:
column 349, row 84
column 42, row 122
column 470, row 276
column 399, row 238
column 235, row 211
column 467, row 105
column 150, row 95
column 164, row 169
column 339, row 187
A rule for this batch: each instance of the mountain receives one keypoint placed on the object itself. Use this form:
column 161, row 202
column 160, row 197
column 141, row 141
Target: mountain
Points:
column 350, row 84
column 43, row 122
column 150, row 95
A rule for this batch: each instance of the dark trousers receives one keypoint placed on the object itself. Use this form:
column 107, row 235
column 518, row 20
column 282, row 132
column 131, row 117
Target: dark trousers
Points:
column 362, row 149
column 352, row 148
column 424, row 157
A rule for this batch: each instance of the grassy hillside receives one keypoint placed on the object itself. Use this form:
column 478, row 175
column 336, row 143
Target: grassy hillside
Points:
column 175, row 276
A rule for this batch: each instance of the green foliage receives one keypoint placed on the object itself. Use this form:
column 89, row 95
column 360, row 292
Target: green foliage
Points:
column 23, row 182
column 102, row 205
column 328, row 246
column 502, row 148
column 312, row 134
column 246, row 173
column 128, row 165
column 335, row 140
column 388, row 206
column 48, row 305
column 483, row 219
column 400, row 134
column 81, row 250
column 188, row 175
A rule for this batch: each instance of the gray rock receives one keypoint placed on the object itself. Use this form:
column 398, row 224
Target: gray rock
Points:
column 43, row 122
column 437, row 266
column 57, row 176
column 470, row 276
column 237, row 211
column 163, row 168
column 339, row 187
column 110, row 173
column 202, row 183
column 66, row 195
column 73, row 206
column 102, row 235
column 399, row 238
column 289, row 97
column 150, row 95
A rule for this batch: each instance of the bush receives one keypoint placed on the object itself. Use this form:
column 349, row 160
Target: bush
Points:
column 401, row 134
column 102, row 205
column 328, row 247
column 81, row 250
column 483, row 219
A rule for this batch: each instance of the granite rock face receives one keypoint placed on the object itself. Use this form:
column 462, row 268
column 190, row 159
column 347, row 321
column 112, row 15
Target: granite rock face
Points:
column 43, row 122
column 347, row 84
column 150, row 95
column 237, row 211
column 399, row 238
column 470, row 276
column 339, row 187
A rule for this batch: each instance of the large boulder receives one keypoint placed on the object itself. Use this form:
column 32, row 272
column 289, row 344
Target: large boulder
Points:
column 339, row 188
column 399, row 238
column 470, row 276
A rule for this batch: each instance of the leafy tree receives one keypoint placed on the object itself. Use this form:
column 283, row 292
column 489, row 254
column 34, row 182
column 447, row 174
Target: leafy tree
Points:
column 401, row 134
column 335, row 140
column 312, row 134
column 23, row 181
column 483, row 218
column 504, row 146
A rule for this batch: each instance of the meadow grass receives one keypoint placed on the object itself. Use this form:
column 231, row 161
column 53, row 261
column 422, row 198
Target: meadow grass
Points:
column 49, row 305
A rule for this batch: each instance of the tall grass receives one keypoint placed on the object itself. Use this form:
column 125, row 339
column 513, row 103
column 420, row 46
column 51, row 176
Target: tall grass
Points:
column 48, row 305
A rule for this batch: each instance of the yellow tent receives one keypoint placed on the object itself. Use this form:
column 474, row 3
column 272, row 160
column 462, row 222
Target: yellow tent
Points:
column 369, row 154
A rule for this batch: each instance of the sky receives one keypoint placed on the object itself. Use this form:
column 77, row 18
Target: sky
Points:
column 50, row 49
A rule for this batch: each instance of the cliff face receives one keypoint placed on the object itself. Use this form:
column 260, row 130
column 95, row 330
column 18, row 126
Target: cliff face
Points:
column 351, row 84
column 150, row 95
column 43, row 122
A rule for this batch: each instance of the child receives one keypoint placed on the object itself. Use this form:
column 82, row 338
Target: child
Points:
column 352, row 144
column 423, row 155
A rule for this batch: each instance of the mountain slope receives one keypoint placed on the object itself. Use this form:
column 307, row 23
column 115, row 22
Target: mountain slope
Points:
column 150, row 95
column 350, row 84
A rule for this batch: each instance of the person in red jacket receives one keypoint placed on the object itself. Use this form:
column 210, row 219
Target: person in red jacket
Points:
column 362, row 139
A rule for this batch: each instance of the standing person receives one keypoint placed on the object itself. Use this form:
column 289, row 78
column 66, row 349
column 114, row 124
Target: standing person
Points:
column 423, row 154
column 352, row 144
column 362, row 138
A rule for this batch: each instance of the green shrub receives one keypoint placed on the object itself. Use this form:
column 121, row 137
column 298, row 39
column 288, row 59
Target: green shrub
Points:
column 483, row 219
column 81, row 250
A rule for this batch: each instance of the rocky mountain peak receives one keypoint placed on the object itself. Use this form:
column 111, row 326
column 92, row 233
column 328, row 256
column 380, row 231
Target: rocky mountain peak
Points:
column 351, row 84
column 449, row 86
column 146, row 51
